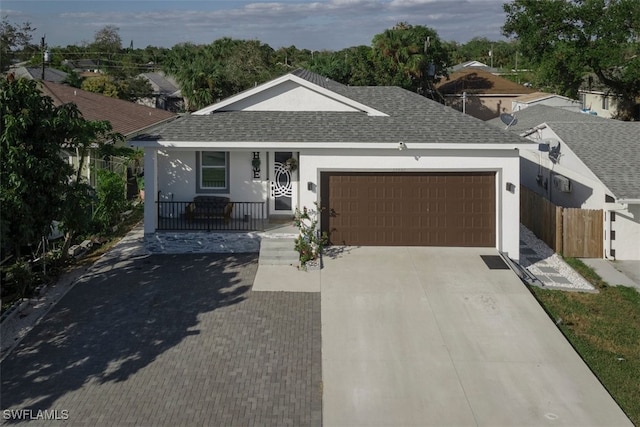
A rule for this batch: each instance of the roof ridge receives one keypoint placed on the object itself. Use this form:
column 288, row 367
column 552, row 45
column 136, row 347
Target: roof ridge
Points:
column 316, row 78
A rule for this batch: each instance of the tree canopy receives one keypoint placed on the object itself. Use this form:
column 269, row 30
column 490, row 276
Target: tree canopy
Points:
column 408, row 56
column 14, row 38
column 35, row 180
column 567, row 39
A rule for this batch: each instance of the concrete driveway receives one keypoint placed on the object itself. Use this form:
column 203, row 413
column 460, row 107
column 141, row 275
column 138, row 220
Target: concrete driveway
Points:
column 432, row 336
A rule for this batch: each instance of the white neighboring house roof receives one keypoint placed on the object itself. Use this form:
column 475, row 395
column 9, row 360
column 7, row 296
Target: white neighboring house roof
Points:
column 609, row 148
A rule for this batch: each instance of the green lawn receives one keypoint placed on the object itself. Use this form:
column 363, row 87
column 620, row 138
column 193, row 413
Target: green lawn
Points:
column 604, row 328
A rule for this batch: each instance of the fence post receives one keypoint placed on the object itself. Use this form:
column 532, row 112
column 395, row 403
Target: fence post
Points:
column 559, row 234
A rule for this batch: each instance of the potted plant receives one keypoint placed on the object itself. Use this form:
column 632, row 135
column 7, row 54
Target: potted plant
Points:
column 291, row 164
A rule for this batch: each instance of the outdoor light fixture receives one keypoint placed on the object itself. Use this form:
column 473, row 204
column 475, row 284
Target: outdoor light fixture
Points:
column 402, row 146
column 511, row 187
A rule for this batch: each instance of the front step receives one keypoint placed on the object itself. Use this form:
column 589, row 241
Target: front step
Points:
column 278, row 251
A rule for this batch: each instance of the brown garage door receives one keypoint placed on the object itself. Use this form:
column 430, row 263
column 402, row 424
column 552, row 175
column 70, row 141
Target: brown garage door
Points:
column 409, row 209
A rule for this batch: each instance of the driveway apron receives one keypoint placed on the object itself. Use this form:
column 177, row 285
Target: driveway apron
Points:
column 432, row 336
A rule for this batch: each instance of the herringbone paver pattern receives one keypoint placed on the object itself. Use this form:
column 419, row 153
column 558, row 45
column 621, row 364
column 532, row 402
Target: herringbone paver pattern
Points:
column 172, row 340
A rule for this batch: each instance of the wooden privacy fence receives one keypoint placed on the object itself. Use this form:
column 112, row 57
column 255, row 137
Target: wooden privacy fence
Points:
column 571, row 231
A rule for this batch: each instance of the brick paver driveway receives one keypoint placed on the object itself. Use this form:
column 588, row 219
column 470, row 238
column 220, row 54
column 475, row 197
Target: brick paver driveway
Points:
column 171, row 340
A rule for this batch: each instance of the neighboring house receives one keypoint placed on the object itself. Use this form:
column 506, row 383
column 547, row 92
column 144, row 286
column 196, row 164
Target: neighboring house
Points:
column 83, row 65
column 588, row 162
column 474, row 64
column 166, row 92
column 597, row 99
column 479, row 93
column 543, row 98
column 385, row 165
column 127, row 118
column 35, row 73
column 599, row 103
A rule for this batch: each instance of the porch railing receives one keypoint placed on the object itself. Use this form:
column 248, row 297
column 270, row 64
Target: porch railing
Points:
column 245, row 216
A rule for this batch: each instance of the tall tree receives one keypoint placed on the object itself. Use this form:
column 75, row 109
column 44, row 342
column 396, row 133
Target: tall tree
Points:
column 567, row 38
column 35, row 179
column 107, row 41
column 408, row 56
column 218, row 70
column 13, row 40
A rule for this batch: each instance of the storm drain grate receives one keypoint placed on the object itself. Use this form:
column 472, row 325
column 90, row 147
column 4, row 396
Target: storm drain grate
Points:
column 494, row 262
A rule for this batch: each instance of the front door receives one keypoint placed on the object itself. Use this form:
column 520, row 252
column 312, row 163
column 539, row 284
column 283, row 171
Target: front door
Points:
column 282, row 185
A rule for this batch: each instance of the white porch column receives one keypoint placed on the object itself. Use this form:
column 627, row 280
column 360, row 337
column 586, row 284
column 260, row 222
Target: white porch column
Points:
column 150, row 193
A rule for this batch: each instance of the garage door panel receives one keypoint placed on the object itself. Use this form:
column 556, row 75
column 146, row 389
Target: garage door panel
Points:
column 429, row 209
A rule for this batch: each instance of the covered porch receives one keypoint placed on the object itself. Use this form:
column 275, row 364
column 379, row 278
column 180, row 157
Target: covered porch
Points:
column 243, row 216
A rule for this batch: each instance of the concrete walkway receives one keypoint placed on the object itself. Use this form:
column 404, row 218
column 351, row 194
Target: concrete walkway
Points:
column 616, row 272
column 432, row 336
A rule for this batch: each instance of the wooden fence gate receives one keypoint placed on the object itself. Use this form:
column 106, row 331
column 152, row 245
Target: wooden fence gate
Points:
column 573, row 232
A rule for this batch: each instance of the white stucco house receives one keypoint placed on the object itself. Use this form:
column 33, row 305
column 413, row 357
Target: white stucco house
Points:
column 385, row 166
column 543, row 98
column 589, row 162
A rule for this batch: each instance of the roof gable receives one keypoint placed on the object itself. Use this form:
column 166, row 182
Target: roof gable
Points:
column 292, row 92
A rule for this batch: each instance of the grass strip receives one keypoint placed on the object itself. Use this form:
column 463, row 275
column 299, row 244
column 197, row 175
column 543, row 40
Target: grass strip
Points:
column 604, row 328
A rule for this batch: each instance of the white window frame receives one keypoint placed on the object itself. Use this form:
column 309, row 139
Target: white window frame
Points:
column 199, row 167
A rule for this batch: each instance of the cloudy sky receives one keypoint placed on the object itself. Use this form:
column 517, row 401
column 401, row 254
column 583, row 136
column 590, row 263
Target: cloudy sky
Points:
column 314, row 25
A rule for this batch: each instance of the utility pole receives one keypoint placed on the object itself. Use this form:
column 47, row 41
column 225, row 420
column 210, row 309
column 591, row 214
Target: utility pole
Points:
column 45, row 54
column 491, row 55
column 42, row 46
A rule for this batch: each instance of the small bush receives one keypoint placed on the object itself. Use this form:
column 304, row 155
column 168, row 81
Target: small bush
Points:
column 309, row 243
column 111, row 197
column 19, row 280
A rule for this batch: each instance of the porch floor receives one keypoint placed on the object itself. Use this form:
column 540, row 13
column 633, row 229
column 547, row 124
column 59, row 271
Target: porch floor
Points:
column 217, row 241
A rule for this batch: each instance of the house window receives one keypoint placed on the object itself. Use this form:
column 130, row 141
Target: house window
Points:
column 605, row 102
column 213, row 171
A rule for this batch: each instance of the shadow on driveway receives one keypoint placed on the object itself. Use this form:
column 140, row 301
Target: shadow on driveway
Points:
column 171, row 339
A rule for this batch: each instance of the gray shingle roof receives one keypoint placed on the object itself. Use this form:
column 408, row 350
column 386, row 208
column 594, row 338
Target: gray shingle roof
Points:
column 165, row 85
column 535, row 115
column 610, row 148
column 35, row 73
column 412, row 119
column 319, row 80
